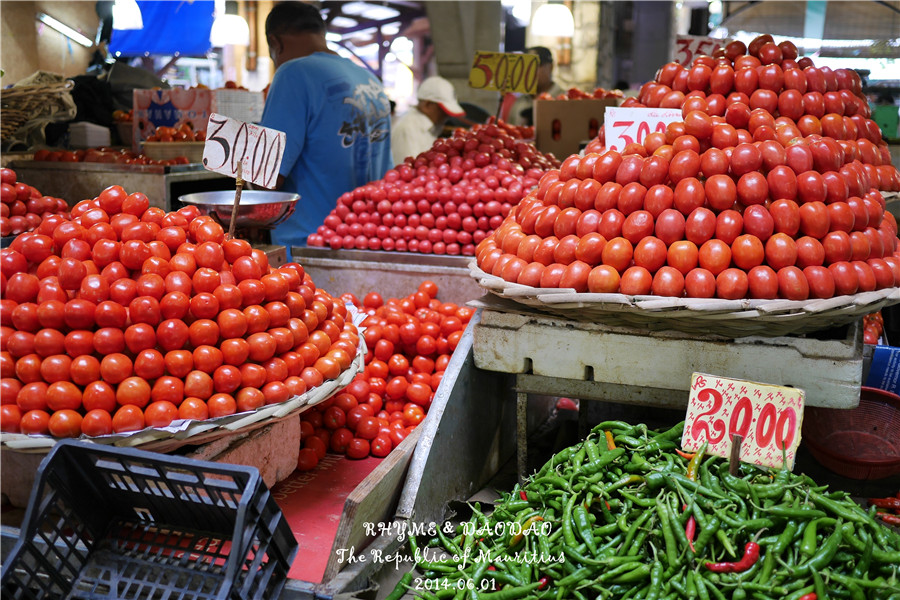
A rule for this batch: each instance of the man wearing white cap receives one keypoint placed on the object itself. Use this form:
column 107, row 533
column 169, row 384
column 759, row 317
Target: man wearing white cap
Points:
column 417, row 130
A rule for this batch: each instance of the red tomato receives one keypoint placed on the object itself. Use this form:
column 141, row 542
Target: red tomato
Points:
column 358, row 448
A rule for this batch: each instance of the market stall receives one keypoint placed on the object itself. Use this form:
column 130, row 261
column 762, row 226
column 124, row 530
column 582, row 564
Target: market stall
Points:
column 639, row 368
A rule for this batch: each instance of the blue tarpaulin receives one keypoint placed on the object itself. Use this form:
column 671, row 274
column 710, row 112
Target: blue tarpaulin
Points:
column 173, row 27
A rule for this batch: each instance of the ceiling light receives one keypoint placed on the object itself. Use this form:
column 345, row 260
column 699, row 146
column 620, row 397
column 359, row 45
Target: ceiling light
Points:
column 64, row 29
column 229, row 28
column 127, row 15
column 553, row 20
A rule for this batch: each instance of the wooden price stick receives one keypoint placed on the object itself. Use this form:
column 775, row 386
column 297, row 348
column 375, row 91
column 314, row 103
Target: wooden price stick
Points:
column 734, row 461
column 239, row 185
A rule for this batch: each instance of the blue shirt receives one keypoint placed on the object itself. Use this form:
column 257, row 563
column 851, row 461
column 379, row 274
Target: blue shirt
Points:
column 336, row 118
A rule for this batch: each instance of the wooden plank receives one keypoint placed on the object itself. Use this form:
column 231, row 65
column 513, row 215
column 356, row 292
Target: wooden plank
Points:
column 373, row 501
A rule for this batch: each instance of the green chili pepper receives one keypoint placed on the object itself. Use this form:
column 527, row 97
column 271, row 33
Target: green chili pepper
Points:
column 594, row 466
column 786, row 512
column 511, row 593
column 656, row 572
column 824, row 554
column 627, row 547
column 808, row 543
column 669, row 537
column 706, row 534
column 583, row 527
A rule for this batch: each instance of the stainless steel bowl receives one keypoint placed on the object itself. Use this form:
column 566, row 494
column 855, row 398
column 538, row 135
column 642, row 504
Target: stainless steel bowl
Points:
column 258, row 208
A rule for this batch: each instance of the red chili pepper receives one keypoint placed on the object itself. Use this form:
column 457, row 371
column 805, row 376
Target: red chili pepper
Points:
column 543, row 581
column 687, row 455
column 751, row 555
column 889, row 518
column 523, row 495
column 893, row 503
column 690, row 529
column 810, row 596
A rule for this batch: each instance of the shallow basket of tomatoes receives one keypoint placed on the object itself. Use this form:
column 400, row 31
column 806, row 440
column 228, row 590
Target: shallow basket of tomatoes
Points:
column 711, row 316
column 168, row 150
column 185, row 432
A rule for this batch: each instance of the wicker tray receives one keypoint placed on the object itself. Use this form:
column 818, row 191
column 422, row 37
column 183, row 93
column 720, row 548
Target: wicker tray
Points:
column 20, row 104
column 189, row 432
column 169, row 150
column 730, row 318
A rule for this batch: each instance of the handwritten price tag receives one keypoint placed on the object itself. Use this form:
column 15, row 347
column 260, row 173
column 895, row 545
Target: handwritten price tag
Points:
column 505, row 72
column 258, row 150
column 768, row 417
column 687, row 47
column 627, row 125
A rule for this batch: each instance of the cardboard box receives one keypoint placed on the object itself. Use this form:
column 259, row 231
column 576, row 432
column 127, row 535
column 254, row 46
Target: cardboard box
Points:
column 170, row 108
column 562, row 126
column 238, row 104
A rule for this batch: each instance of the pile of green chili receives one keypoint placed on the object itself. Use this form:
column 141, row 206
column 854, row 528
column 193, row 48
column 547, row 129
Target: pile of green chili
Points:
column 625, row 514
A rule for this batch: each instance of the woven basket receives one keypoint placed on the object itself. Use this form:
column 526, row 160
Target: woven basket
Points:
column 184, row 432
column 705, row 316
column 19, row 105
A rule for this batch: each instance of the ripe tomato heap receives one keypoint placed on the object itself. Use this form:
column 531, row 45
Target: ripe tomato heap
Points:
column 873, row 327
column 444, row 201
column 127, row 316
column 102, row 154
column 409, row 346
column 730, row 203
column 577, row 94
column 22, row 207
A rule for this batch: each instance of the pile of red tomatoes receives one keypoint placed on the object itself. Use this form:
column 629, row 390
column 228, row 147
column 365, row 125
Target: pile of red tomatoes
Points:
column 22, row 207
column 409, row 342
column 125, row 316
column 757, row 193
column 444, row 201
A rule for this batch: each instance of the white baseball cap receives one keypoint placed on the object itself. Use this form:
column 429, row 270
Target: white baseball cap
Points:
column 438, row 89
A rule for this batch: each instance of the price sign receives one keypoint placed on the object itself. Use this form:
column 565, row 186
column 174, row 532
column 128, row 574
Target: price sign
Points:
column 505, row 72
column 689, row 46
column 257, row 149
column 626, row 125
column 768, row 417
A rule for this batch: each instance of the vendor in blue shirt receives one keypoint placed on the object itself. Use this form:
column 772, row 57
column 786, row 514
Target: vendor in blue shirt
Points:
column 335, row 114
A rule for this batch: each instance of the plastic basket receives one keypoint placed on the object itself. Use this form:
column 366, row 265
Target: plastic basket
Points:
column 121, row 523
column 860, row 443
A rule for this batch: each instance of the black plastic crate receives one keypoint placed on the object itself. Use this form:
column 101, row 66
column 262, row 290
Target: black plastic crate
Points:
column 107, row 522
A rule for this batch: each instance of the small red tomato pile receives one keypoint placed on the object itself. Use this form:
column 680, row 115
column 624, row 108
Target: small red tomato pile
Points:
column 409, row 346
column 578, row 94
column 22, row 207
column 730, row 203
column 445, row 201
column 873, row 327
column 121, row 156
column 126, row 316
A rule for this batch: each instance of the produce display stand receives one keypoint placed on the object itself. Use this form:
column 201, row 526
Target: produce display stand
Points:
column 162, row 184
column 467, row 436
column 363, row 271
column 591, row 361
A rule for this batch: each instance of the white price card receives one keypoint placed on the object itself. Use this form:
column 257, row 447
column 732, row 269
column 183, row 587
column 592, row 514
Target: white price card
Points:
column 769, row 418
column 688, row 47
column 257, row 149
column 631, row 125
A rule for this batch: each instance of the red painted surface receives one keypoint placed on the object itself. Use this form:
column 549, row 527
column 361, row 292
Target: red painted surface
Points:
column 312, row 502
